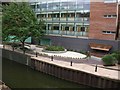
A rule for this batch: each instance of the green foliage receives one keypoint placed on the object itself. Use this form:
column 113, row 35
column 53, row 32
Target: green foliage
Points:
column 54, row 48
column 109, row 60
column 15, row 45
column 116, row 55
column 19, row 20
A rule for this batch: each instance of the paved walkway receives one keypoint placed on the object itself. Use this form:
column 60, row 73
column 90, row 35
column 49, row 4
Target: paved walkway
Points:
column 63, row 54
column 82, row 65
column 70, row 56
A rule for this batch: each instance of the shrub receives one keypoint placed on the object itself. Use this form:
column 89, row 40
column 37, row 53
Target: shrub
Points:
column 54, row 48
column 116, row 55
column 15, row 45
column 109, row 60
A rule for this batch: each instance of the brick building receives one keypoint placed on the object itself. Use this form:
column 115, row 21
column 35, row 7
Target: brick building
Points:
column 103, row 20
column 119, row 21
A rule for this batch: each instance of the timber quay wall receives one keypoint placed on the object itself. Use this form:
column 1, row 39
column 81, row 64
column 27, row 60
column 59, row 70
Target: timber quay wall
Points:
column 65, row 73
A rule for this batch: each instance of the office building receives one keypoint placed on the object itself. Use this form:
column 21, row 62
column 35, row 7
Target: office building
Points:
column 75, row 24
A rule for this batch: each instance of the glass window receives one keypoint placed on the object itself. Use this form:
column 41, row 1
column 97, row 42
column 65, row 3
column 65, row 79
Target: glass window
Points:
column 64, row 5
column 110, row 1
column 82, row 29
column 55, row 27
column 50, row 5
column 110, row 16
column 67, row 28
column 71, row 5
column 56, row 5
column 43, row 6
column 86, row 6
column 108, row 32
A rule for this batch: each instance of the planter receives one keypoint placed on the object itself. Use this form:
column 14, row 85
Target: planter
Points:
column 119, row 62
column 109, row 65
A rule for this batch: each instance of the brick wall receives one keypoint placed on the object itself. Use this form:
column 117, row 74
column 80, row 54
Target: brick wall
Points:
column 119, row 20
column 98, row 23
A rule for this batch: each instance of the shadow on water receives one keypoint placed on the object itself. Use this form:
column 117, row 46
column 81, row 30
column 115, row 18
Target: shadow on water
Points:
column 16, row 75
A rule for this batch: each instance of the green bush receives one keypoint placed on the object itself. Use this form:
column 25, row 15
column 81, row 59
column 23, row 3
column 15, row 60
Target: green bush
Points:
column 109, row 60
column 54, row 48
column 15, row 45
column 116, row 55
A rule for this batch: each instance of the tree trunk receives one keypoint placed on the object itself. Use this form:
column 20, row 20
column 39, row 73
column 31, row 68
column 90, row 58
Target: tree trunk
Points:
column 23, row 43
column 4, row 46
column 13, row 48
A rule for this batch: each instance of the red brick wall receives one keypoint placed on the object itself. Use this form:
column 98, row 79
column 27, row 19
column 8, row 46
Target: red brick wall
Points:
column 98, row 23
column 119, row 13
column 119, row 20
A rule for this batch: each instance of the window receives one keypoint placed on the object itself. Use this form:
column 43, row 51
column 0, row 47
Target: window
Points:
column 55, row 27
column 110, row 1
column 67, row 28
column 110, row 16
column 82, row 29
column 108, row 32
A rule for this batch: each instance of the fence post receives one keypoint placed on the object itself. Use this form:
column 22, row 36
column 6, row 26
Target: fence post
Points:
column 36, row 54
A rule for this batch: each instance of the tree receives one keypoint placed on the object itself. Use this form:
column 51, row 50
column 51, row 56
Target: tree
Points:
column 20, row 21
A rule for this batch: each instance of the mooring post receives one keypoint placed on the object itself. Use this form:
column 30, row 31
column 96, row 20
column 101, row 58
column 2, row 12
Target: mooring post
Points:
column 96, row 68
column 51, row 58
column 71, row 63
column 36, row 54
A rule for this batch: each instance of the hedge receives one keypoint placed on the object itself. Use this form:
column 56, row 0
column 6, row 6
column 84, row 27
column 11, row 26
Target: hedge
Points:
column 54, row 48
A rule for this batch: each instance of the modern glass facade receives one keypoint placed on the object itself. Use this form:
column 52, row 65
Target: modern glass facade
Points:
column 64, row 17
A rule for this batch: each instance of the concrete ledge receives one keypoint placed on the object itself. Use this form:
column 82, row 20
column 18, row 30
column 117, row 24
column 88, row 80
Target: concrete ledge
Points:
column 54, row 51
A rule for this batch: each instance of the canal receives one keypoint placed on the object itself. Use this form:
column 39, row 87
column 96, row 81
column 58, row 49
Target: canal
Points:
column 16, row 75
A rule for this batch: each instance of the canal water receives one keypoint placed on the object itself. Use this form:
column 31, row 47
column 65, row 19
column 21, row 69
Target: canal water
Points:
column 16, row 75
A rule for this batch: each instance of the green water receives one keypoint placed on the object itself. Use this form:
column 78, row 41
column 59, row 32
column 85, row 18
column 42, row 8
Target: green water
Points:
column 16, row 75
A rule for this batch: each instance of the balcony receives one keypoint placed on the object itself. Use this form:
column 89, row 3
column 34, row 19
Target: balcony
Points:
column 63, row 19
column 68, row 33
column 55, row 19
column 49, row 19
column 71, row 19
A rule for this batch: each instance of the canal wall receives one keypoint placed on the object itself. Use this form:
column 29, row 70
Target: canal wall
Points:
column 16, row 56
column 65, row 73
column 73, row 75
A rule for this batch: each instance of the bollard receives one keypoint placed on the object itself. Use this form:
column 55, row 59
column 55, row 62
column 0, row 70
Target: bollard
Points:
column 36, row 54
column 51, row 58
column 96, row 68
column 71, row 63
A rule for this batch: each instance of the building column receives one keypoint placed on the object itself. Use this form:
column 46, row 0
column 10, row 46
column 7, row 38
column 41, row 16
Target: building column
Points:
column 59, row 28
column 47, row 29
column 75, row 29
column 75, row 23
column 35, row 6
